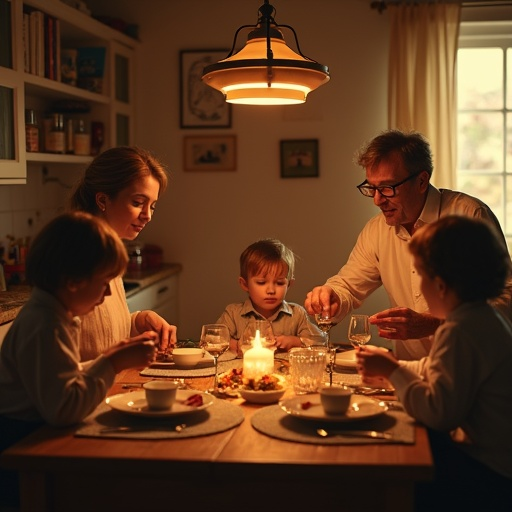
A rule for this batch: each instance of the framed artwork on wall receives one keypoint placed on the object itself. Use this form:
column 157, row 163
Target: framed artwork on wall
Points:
column 299, row 158
column 209, row 153
column 201, row 106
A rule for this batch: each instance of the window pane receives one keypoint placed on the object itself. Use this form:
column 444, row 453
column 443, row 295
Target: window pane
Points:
column 488, row 189
column 122, row 130
column 480, row 78
column 480, row 141
column 509, row 78
column 508, row 156
column 7, row 150
column 122, row 77
column 508, row 208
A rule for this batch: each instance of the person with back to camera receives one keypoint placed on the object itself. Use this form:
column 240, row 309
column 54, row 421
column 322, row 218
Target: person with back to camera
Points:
column 398, row 169
column 122, row 186
column 463, row 387
column 266, row 273
column 69, row 266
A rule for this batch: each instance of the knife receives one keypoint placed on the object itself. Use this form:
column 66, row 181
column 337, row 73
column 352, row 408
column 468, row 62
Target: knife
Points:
column 355, row 433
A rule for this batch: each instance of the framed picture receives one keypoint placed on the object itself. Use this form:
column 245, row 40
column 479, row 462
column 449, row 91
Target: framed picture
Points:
column 299, row 158
column 210, row 153
column 201, row 106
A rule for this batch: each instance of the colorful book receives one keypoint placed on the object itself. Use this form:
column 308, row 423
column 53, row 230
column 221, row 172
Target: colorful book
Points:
column 91, row 68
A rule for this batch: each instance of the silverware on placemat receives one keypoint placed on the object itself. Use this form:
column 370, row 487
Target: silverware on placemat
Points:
column 374, row 434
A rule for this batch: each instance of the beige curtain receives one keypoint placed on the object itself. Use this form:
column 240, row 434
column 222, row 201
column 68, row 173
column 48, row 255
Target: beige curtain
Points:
column 423, row 49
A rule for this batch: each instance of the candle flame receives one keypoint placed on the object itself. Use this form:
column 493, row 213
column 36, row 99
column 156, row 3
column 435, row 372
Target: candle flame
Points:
column 257, row 340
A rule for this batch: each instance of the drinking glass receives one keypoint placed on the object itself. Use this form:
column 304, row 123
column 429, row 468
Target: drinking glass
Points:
column 215, row 340
column 325, row 322
column 359, row 330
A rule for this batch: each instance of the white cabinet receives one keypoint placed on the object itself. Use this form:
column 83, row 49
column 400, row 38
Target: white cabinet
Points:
column 161, row 297
column 19, row 89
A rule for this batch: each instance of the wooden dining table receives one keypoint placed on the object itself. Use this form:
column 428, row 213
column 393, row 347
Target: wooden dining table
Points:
column 240, row 468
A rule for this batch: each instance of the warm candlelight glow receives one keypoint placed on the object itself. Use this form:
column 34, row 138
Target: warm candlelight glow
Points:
column 258, row 361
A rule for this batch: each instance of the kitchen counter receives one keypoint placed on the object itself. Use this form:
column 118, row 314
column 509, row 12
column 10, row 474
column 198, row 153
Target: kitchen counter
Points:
column 15, row 297
column 12, row 301
column 144, row 278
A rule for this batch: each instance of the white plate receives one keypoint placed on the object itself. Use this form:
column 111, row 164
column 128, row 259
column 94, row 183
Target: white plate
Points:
column 206, row 362
column 360, row 408
column 135, row 403
column 346, row 359
column 262, row 397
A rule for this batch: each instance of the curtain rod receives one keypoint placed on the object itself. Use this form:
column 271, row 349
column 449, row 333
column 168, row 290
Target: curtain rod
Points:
column 381, row 5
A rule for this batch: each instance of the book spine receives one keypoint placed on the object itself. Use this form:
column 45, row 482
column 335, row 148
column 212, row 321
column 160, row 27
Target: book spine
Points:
column 26, row 42
column 40, row 44
column 47, row 34
column 33, row 43
column 57, row 50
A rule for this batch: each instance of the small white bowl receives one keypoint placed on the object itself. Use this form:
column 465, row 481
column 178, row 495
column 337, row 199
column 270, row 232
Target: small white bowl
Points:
column 262, row 397
column 187, row 356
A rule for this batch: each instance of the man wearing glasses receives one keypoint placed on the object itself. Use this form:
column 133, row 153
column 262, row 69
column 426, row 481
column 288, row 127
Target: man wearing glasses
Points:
column 398, row 168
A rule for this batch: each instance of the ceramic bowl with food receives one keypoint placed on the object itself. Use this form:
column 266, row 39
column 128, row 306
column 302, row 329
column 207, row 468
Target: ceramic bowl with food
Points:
column 187, row 357
column 271, row 396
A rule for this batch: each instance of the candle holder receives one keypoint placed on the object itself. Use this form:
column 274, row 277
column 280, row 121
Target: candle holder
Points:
column 266, row 334
column 258, row 360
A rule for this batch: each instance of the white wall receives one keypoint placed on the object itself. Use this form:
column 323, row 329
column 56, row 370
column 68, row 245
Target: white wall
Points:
column 205, row 220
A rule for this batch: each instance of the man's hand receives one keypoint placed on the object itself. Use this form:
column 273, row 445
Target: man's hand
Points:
column 322, row 298
column 404, row 324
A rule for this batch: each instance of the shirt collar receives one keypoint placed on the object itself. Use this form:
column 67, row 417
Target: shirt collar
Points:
column 248, row 310
column 429, row 214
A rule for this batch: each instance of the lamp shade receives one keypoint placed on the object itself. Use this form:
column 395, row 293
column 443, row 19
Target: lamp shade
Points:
column 266, row 71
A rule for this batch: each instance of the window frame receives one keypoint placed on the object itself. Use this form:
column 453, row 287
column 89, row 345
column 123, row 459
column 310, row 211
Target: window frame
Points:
column 487, row 34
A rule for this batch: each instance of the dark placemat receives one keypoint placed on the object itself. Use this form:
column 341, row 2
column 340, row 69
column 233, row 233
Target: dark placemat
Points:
column 226, row 362
column 274, row 422
column 217, row 418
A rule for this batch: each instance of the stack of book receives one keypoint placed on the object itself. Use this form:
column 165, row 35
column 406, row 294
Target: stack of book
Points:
column 41, row 42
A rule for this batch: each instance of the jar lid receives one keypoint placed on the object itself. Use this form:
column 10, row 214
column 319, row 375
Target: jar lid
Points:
column 30, row 116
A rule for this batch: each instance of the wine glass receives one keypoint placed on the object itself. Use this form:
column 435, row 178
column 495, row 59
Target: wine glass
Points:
column 359, row 330
column 215, row 340
column 325, row 322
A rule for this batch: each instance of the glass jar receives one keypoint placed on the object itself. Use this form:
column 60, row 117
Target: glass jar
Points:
column 82, row 139
column 31, row 131
column 56, row 142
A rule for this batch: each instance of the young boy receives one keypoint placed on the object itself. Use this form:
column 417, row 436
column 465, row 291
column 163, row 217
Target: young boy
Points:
column 266, row 272
column 69, row 265
column 461, row 390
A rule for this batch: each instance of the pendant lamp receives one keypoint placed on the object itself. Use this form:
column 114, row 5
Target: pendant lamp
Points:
column 266, row 71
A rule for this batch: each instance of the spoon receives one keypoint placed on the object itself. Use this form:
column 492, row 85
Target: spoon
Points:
column 354, row 433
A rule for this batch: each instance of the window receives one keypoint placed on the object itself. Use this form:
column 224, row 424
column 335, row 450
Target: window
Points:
column 484, row 118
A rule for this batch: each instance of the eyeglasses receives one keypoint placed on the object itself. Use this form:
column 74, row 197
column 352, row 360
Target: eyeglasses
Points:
column 385, row 190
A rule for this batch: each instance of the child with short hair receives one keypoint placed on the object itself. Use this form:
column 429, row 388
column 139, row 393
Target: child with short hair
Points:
column 69, row 264
column 461, row 391
column 266, row 273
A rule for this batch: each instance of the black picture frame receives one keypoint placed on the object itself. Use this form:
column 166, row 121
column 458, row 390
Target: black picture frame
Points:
column 299, row 158
column 209, row 153
column 201, row 106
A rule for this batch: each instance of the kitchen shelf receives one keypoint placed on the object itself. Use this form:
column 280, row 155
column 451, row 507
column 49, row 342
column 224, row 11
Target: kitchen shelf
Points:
column 20, row 90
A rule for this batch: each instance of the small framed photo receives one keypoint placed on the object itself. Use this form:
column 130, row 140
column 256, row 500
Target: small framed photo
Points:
column 299, row 158
column 201, row 106
column 210, row 153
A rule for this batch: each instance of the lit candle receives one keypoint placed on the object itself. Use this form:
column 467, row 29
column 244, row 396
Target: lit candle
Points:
column 258, row 360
